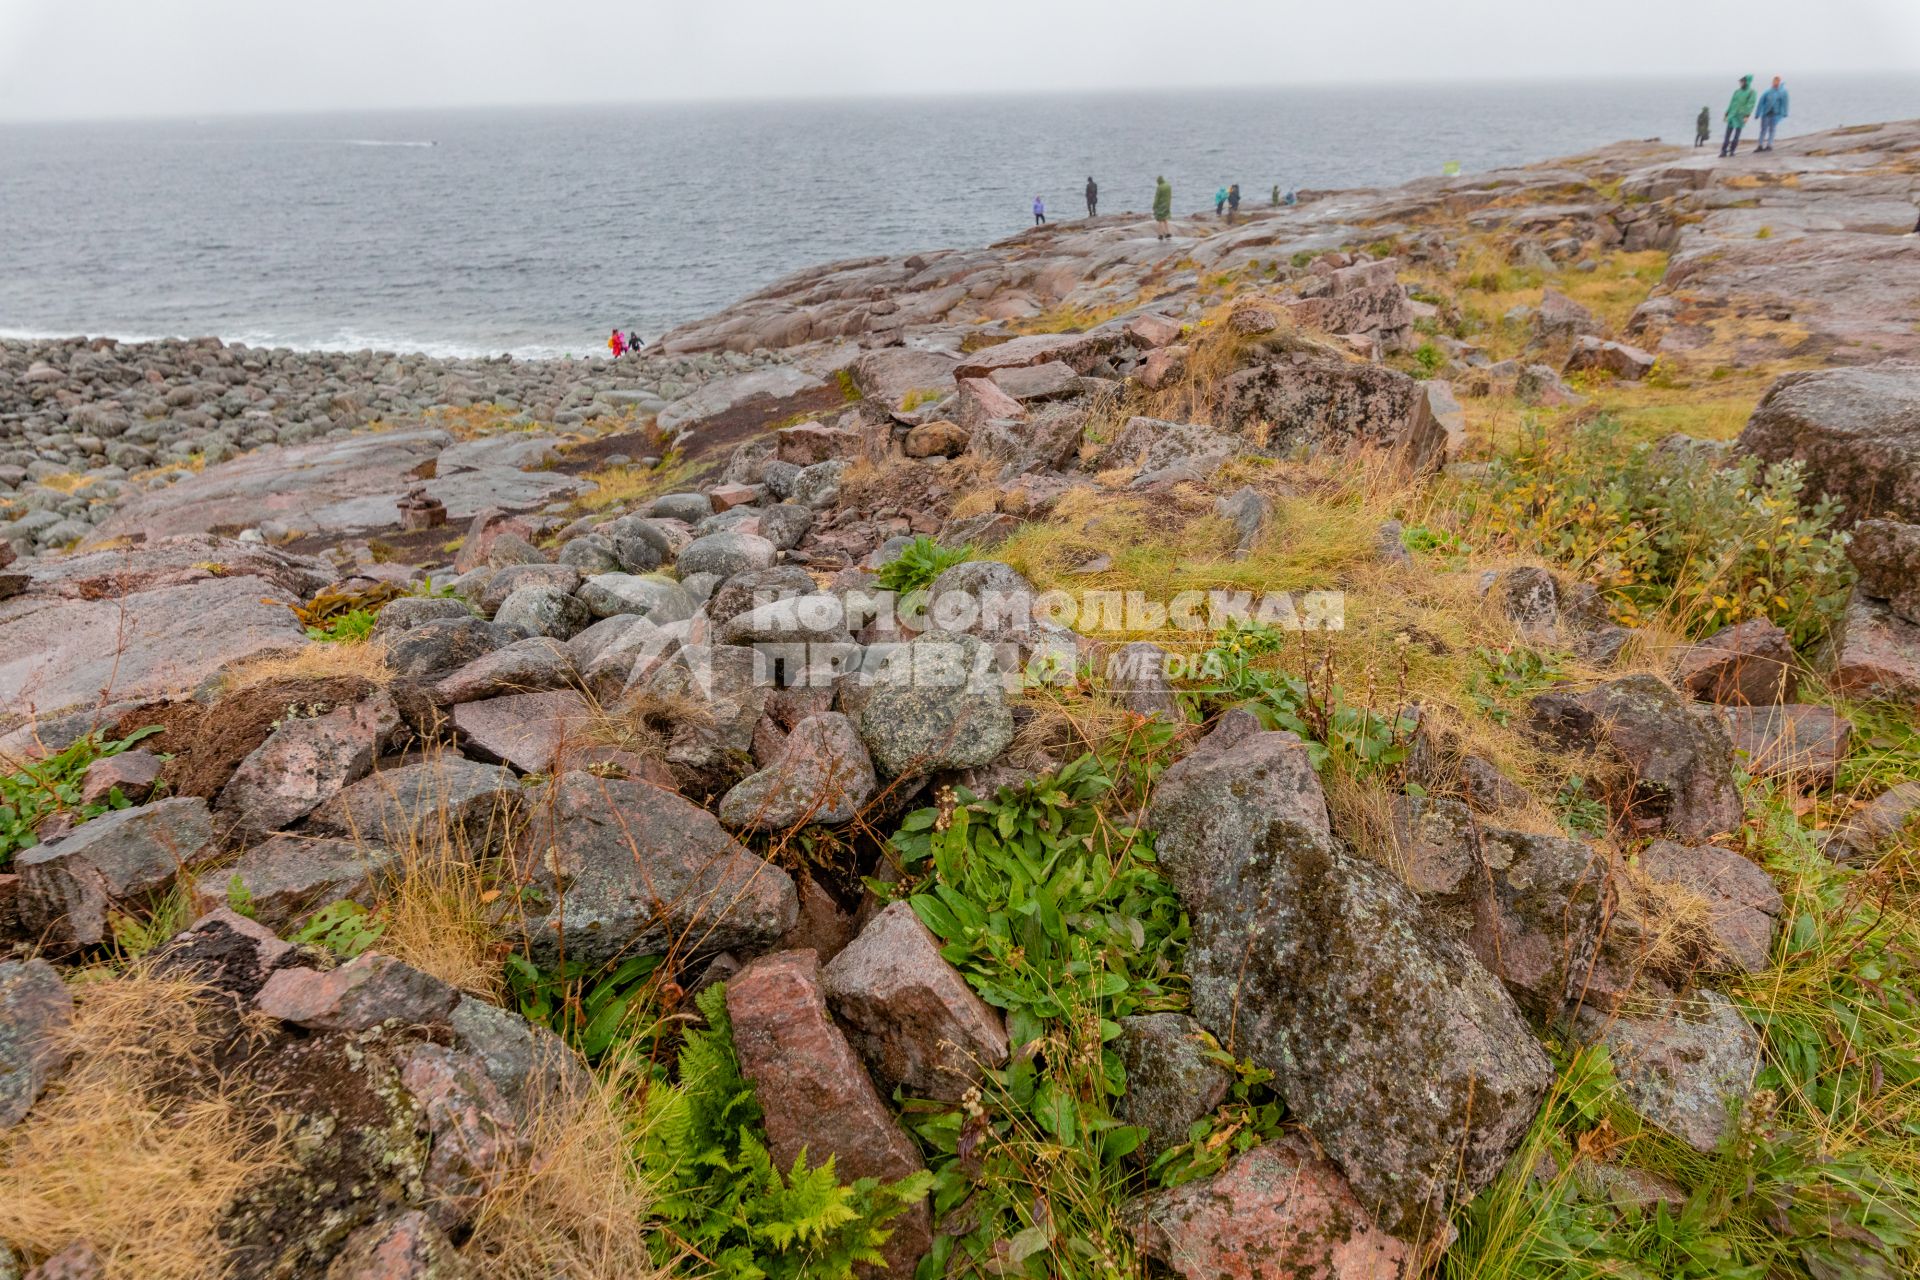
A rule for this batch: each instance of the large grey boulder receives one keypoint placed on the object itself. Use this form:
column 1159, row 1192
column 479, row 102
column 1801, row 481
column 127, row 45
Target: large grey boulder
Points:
column 68, row 886
column 1886, row 554
column 533, row 1068
column 1532, row 907
column 1676, row 754
column 750, row 590
column 415, row 803
column 306, row 762
column 910, row 1013
column 435, row 648
column 1173, row 1077
column 286, row 876
column 1685, row 1066
column 623, row 868
column 822, row 775
column 726, row 554
column 1855, row 431
column 525, row 666
column 656, row 599
column 714, row 696
column 543, row 609
column 1334, row 405
column 34, row 1012
column 504, row 582
column 936, row 703
column 1323, row 968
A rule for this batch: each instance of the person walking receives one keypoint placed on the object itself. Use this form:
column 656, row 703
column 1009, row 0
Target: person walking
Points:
column 1703, row 128
column 1773, row 109
column 1233, row 202
column 617, row 344
column 1162, row 207
column 1220, row 202
column 1039, row 211
column 1739, row 107
column 1093, row 197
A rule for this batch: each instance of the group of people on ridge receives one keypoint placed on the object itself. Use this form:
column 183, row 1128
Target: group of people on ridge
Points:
column 1770, row 106
column 1226, row 203
column 621, row 343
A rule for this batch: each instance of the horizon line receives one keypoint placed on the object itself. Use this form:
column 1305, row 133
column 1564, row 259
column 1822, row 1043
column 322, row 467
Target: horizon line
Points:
column 748, row 100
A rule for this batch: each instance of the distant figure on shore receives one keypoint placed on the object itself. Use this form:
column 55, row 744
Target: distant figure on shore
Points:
column 1293, row 198
column 1739, row 107
column 1703, row 128
column 617, row 344
column 633, row 342
column 1162, row 207
column 1093, row 196
column 1276, row 195
column 1233, row 202
column 1773, row 109
column 1039, row 211
column 1220, row 202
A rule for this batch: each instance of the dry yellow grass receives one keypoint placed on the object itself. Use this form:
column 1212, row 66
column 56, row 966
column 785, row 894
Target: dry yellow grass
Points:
column 439, row 915
column 139, row 1147
column 630, row 486
column 367, row 660
column 581, row 1206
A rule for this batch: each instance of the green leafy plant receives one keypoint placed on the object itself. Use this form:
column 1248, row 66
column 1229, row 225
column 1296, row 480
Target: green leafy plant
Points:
column 52, row 786
column 350, row 627
column 239, row 897
column 1314, row 706
column 1428, row 359
column 918, row 564
column 1423, row 539
column 1052, row 906
column 345, row 928
column 594, row 1007
column 135, row 933
column 1251, row 1115
column 721, row 1194
column 1502, row 677
column 1581, row 814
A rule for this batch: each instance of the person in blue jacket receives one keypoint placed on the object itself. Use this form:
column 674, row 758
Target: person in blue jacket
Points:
column 1773, row 109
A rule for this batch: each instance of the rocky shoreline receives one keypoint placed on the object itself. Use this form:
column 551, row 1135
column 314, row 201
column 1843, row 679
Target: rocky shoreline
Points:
column 105, row 420
column 514, row 792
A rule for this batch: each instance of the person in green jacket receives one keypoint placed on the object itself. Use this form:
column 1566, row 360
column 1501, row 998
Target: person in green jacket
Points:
column 1739, row 107
column 1162, row 207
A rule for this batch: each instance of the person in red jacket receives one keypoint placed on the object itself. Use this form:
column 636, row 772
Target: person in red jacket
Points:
column 617, row 344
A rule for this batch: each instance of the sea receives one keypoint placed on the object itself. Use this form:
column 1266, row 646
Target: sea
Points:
column 533, row 231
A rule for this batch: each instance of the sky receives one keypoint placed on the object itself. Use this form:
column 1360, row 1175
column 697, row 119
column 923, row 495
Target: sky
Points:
column 94, row 59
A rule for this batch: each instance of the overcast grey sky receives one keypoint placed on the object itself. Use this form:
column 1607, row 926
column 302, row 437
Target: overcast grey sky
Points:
column 115, row 58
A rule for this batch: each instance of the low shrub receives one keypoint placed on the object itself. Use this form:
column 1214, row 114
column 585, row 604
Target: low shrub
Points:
column 1709, row 542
